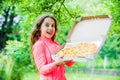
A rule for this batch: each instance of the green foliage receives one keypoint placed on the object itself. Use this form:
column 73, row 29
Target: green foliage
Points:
column 6, row 67
column 2, row 66
column 66, row 12
column 21, row 58
column 112, row 63
column 110, row 47
column 114, row 7
column 8, row 23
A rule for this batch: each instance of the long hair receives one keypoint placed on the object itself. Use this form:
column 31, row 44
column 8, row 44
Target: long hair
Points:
column 36, row 33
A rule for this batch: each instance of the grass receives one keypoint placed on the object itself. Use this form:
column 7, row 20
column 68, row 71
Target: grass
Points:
column 75, row 76
column 31, row 76
column 81, row 76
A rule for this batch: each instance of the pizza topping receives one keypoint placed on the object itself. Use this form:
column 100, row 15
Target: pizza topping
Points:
column 82, row 49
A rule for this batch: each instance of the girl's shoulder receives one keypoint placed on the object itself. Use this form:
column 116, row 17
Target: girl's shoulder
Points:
column 39, row 43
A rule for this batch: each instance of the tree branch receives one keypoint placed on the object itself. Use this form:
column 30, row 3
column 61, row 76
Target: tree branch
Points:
column 61, row 5
column 67, row 10
column 5, row 14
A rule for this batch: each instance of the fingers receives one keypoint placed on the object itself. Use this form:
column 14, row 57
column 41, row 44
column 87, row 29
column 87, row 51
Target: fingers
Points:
column 59, row 62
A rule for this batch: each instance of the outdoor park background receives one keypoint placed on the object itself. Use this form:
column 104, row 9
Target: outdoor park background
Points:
column 16, row 21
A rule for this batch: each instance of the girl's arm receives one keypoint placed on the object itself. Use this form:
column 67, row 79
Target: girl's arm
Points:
column 40, row 59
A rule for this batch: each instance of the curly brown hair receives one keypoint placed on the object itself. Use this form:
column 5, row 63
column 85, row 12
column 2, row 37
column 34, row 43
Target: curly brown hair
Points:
column 36, row 33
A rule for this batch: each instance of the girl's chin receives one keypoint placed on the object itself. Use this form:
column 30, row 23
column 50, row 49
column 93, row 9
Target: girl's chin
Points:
column 48, row 36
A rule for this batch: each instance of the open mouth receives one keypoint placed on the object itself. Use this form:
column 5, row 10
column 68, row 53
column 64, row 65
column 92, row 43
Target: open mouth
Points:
column 50, row 33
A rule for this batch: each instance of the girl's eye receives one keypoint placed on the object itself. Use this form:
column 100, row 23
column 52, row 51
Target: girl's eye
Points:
column 47, row 25
column 53, row 25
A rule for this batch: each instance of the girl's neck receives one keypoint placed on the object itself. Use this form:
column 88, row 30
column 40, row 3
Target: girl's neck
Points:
column 45, row 38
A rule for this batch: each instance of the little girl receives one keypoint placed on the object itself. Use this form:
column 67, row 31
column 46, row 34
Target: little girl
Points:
column 42, row 47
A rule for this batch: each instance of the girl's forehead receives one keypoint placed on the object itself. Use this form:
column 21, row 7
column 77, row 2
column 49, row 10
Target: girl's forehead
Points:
column 49, row 20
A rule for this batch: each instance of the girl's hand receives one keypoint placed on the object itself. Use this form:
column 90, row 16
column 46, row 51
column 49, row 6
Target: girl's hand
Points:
column 61, row 61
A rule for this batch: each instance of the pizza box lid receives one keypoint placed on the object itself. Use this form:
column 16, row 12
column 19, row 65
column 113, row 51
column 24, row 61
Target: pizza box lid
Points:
column 91, row 29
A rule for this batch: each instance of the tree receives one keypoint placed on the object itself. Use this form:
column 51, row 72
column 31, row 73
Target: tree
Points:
column 8, row 15
column 114, row 33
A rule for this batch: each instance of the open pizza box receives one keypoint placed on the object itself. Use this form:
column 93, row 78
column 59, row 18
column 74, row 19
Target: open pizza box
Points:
column 88, row 29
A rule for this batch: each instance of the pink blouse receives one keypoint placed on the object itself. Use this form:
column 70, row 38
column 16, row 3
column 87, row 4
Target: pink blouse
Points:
column 42, row 50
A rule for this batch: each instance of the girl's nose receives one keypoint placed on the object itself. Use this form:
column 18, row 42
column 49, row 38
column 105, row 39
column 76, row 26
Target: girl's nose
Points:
column 50, row 27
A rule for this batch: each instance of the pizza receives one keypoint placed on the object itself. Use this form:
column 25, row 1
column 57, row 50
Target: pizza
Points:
column 82, row 49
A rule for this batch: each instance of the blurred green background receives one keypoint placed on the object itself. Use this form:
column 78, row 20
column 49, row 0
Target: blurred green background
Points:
column 17, row 18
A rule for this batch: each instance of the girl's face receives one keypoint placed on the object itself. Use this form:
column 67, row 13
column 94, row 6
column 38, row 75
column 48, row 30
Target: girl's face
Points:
column 48, row 28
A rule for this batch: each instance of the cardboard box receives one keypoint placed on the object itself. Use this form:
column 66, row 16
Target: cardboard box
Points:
column 90, row 29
